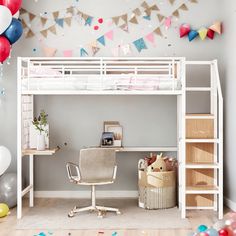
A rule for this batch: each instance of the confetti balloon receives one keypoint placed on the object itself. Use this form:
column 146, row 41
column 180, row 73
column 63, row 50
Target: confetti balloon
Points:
column 223, row 232
column 212, row 232
column 202, row 228
column 203, row 234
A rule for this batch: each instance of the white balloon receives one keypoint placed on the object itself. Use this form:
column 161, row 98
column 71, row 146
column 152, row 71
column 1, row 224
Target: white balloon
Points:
column 5, row 159
column 16, row 15
column 5, row 19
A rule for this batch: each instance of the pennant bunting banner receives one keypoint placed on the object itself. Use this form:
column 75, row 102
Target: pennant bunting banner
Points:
column 168, row 22
column 52, row 29
column 109, row 34
column 43, row 21
column 116, row 20
column 184, row 7
column 210, row 34
column 55, row 14
column 29, row 34
column 137, row 12
column 83, row 52
column 88, row 21
column 44, row 33
column 140, row 44
column 147, row 17
column 68, row 21
column 150, row 37
column 171, row 2
column 101, row 40
column 95, row 50
column 31, row 16
column 125, row 18
column 192, row 35
column 60, row 22
column 67, row 53
column 176, row 14
column 124, row 27
column 158, row 31
column 49, row 52
column 202, row 33
column 133, row 20
column 160, row 17
column 216, row 27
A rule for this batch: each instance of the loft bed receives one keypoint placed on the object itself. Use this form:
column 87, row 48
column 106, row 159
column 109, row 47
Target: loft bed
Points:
column 101, row 75
column 200, row 157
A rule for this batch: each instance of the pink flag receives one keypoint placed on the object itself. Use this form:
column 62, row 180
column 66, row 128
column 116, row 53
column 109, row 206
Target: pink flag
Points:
column 168, row 22
column 67, row 53
column 150, row 37
column 109, row 34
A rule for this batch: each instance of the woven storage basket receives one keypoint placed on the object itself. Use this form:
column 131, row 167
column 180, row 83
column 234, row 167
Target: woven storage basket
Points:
column 157, row 190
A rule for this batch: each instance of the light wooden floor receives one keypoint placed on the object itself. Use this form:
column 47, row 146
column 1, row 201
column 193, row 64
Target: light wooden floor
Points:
column 7, row 227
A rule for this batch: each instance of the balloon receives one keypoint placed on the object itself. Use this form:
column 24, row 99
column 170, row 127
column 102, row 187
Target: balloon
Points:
column 5, row 159
column 13, row 5
column 8, row 189
column 4, row 209
column 223, row 232
column 5, row 19
column 212, row 232
column 16, row 15
column 14, row 31
column 202, row 228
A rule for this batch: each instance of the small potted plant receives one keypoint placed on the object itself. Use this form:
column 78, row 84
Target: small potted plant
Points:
column 40, row 124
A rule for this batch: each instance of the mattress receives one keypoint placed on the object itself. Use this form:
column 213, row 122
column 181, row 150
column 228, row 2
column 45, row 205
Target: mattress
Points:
column 100, row 83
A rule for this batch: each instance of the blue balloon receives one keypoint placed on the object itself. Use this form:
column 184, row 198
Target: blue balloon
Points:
column 202, row 228
column 192, row 35
column 14, row 31
column 212, row 232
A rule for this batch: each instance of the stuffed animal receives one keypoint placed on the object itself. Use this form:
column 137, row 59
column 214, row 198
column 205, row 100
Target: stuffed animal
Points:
column 158, row 166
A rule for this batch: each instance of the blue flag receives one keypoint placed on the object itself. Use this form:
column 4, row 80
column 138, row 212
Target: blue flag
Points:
column 83, row 52
column 101, row 40
column 60, row 22
column 89, row 21
column 147, row 17
column 192, row 35
column 140, row 44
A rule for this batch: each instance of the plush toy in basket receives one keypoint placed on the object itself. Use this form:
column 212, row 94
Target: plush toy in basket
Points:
column 157, row 182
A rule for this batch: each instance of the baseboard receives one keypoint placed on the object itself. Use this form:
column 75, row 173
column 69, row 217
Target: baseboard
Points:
column 230, row 204
column 85, row 194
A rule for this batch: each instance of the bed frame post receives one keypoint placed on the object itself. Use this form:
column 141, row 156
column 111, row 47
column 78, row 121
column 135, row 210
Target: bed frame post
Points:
column 19, row 146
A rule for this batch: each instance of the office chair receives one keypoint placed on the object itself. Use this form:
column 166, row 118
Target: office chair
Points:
column 97, row 166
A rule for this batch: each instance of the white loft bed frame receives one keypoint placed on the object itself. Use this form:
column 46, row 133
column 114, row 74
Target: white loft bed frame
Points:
column 97, row 72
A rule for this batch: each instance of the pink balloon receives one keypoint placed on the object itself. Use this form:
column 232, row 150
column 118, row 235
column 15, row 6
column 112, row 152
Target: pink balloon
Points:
column 5, row 48
column 203, row 234
column 13, row 5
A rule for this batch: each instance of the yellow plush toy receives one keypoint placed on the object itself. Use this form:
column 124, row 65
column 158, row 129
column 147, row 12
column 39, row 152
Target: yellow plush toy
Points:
column 158, row 166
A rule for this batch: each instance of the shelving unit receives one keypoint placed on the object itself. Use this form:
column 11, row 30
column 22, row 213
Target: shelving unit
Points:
column 203, row 163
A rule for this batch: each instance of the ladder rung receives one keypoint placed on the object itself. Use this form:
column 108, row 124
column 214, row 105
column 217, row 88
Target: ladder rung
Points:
column 202, row 165
column 199, row 116
column 198, row 89
column 199, row 208
column 202, row 140
column 202, row 189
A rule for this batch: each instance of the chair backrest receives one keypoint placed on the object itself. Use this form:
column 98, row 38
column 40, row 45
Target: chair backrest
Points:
column 97, row 164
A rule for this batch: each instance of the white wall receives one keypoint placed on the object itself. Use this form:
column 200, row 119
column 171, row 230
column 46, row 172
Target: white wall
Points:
column 78, row 120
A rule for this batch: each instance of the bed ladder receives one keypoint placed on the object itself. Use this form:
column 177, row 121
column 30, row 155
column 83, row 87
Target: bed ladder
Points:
column 202, row 143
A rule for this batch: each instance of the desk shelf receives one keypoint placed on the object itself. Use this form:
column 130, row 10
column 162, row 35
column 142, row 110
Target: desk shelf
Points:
column 45, row 152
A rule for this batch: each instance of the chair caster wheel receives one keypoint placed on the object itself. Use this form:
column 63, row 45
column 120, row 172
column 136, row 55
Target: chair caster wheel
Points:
column 71, row 214
column 118, row 213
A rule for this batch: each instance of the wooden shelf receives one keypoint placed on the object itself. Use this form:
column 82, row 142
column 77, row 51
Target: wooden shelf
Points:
column 202, row 140
column 199, row 116
column 148, row 149
column 40, row 153
column 202, row 189
column 202, row 165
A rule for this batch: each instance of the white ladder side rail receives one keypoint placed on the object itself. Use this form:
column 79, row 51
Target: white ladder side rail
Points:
column 183, row 137
column 220, row 137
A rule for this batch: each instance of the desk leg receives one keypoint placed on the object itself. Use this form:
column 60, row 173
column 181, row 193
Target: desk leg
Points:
column 31, row 180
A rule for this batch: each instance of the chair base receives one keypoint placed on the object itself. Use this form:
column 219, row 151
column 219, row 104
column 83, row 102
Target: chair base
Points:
column 101, row 210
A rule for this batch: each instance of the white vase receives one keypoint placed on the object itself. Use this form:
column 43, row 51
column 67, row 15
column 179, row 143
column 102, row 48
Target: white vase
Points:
column 41, row 142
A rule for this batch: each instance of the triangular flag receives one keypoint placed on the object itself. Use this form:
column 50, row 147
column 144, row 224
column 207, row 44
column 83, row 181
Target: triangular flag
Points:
column 29, row 34
column 148, row 12
column 184, row 30
column 55, row 14
column 43, row 20
column 137, row 12
column 183, row 7
column 88, row 21
column 150, row 37
column 109, row 34
column 52, row 29
column 67, row 53
column 31, row 16
column 22, row 11
column 24, row 25
column 70, row 10
column 60, row 22
column 160, row 17
column 68, row 20
column 144, row 5
column 147, row 17
column 194, row 1
column 44, row 33
column 168, row 22
column 133, row 20
column 124, row 27
column 192, row 35
column 116, row 20
column 140, row 44
column 85, row 16
column 49, row 52
column 83, row 52
column 125, row 18
column 202, row 33
column 176, row 13
column 210, row 34
column 93, row 44
column 101, row 40
column 216, row 27
column 154, row 8
column 158, row 31
column 95, row 50
column 171, row 2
